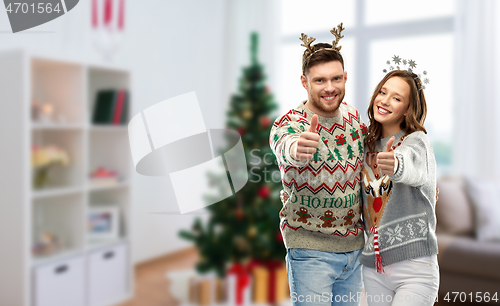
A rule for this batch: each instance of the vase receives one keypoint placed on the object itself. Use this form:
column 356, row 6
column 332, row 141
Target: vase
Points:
column 40, row 177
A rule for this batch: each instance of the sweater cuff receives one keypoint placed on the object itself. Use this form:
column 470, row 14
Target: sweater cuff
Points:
column 288, row 154
column 398, row 174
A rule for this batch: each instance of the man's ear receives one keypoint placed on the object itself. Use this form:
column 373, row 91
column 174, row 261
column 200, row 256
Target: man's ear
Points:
column 303, row 80
column 345, row 76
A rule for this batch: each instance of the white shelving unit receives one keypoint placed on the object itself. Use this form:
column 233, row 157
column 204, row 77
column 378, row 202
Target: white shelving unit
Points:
column 81, row 270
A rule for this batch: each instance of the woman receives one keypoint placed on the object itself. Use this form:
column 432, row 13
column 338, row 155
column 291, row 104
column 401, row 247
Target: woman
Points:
column 399, row 179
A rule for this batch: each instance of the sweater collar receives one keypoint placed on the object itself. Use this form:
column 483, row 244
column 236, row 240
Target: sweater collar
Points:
column 321, row 120
column 397, row 136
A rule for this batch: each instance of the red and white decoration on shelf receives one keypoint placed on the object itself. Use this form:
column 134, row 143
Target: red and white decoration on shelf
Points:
column 103, row 177
column 108, row 25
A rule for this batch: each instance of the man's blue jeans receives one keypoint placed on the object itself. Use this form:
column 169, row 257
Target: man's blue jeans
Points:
column 324, row 278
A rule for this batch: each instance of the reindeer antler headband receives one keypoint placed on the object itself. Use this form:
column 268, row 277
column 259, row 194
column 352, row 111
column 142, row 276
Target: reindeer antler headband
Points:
column 307, row 41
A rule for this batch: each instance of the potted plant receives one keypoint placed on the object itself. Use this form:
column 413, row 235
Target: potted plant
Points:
column 42, row 160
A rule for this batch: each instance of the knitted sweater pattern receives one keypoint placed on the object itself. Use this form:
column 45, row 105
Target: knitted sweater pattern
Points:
column 401, row 206
column 323, row 211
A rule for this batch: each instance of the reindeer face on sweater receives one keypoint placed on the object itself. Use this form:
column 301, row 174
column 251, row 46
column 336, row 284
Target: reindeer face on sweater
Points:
column 378, row 189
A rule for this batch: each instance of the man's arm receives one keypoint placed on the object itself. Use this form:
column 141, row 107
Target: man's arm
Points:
column 293, row 147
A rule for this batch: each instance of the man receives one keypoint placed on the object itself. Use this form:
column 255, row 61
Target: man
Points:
column 319, row 147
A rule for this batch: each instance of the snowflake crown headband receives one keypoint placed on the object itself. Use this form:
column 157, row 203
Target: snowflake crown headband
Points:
column 408, row 65
column 307, row 41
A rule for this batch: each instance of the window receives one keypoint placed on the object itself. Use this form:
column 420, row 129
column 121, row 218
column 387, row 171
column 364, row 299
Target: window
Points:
column 376, row 30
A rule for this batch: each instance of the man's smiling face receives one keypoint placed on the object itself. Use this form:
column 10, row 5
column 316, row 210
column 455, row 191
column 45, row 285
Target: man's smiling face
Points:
column 325, row 85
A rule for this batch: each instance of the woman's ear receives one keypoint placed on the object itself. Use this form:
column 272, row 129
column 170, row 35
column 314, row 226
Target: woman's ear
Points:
column 407, row 109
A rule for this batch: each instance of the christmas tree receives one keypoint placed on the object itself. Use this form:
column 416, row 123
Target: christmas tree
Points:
column 246, row 225
column 350, row 152
column 360, row 147
column 337, row 153
column 317, row 156
column 330, row 156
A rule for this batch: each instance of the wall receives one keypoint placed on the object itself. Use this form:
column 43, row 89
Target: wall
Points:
column 171, row 47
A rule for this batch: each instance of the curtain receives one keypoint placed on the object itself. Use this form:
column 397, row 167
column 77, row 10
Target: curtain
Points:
column 476, row 90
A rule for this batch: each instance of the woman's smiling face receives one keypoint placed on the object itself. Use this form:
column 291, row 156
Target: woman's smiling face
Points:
column 391, row 105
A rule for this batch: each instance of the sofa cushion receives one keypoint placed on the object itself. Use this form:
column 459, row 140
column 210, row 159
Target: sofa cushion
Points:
column 485, row 198
column 467, row 256
column 453, row 210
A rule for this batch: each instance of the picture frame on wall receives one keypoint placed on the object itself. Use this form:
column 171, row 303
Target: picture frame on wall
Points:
column 103, row 223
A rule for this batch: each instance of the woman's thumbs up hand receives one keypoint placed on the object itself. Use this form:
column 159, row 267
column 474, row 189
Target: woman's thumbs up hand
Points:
column 386, row 160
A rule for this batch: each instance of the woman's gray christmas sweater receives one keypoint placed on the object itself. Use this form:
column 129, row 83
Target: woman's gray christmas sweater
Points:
column 400, row 206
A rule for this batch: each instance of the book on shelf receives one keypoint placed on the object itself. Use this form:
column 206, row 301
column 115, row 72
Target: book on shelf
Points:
column 111, row 107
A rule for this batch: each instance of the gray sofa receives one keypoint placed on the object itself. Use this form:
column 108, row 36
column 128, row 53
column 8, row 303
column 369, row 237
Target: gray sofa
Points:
column 466, row 264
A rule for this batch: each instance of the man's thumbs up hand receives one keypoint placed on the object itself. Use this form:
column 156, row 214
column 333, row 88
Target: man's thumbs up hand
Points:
column 305, row 147
column 386, row 160
column 314, row 124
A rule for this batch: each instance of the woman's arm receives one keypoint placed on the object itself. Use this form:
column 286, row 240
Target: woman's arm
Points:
column 415, row 160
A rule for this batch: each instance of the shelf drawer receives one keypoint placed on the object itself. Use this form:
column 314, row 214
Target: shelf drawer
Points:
column 61, row 283
column 108, row 275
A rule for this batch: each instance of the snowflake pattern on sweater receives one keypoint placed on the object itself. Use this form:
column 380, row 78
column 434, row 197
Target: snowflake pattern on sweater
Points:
column 400, row 206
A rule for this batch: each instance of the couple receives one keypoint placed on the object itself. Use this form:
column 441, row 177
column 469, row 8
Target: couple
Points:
column 335, row 170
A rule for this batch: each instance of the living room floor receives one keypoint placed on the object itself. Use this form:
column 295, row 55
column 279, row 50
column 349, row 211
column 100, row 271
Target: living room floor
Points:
column 152, row 287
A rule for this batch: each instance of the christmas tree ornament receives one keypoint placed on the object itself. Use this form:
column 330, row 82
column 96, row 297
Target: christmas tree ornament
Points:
column 247, row 114
column 239, row 214
column 241, row 243
column 252, row 232
column 265, row 121
column 257, row 201
column 264, row 192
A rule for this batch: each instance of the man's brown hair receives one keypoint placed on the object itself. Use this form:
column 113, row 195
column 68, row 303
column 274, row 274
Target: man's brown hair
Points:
column 417, row 108
column 322, row 56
